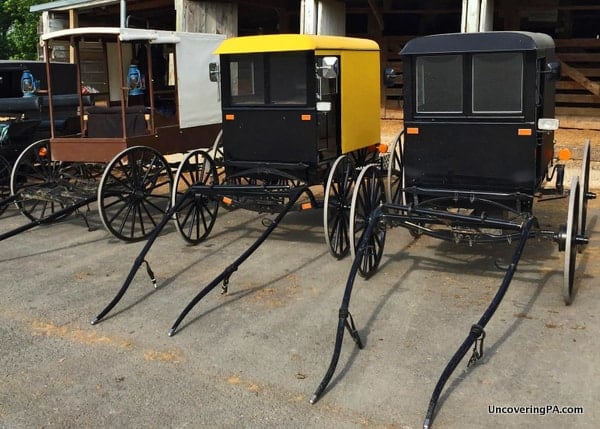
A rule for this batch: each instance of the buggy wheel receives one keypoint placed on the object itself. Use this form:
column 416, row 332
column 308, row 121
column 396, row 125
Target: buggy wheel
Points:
column 218, row 156
column 570, row 242
column 134, row 193
column 196, row 216
column 584, row 189
column 368, row 194
column 35, row 178
column 4, row 182
column 364, row 156
column 336, row 213
column 394, row 190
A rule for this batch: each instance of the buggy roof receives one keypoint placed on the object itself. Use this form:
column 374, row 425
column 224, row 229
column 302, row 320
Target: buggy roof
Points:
column 124, row 34
column 491, row 41
column 293, row 42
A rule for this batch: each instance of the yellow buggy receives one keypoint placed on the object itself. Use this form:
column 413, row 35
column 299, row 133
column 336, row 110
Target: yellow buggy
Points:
column 298, row 111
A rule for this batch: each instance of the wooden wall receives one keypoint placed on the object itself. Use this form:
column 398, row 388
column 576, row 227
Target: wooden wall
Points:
column 207, row 17
column 578, row 92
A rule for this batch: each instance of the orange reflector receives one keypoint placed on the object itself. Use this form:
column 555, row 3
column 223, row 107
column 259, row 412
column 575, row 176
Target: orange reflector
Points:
column 229, row 117
column 383, row 148
column 306, row 117
column 564, row 154
column 43, row 152
column 306, row 206
column 227, row 200
column 412, row 130
column 524, row 131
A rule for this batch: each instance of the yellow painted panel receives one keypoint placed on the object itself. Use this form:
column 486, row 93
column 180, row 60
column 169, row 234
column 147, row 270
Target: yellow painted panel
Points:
column 292, row 42
column 360, row 96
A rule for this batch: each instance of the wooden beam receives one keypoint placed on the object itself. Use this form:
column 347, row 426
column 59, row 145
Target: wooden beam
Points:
column 578, row 77
column 578, row 98
column 577, row 43
column 377, row 13
column 580, row 57
column 578, row 111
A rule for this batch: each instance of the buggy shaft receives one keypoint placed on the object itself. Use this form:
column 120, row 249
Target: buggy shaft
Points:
column 47, row 219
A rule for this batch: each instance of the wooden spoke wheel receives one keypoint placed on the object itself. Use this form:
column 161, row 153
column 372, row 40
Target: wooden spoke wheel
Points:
column 364, row 156
column 336, row 213
column 196, row 216
column 218, row 156
column 4, row 182
column 394, row 190
column 38, row 182
column 368, row 194
column 568, row 234
column 584, row 192
column 134, row 193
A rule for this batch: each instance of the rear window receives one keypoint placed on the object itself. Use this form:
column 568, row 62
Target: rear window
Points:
column 498, row 83
column 268, row 79
column 439, row 84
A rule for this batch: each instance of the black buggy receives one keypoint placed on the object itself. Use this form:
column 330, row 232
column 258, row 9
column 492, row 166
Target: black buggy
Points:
column 298, row 112
column 24, row 110
column 476, row 151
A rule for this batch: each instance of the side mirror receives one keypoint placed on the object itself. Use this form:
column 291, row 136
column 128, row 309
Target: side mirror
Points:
column 389, row 76
column 213, row 72
column 553, row 70
column 328, row 68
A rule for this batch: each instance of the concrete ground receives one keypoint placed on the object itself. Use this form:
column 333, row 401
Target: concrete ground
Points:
column 254, row 356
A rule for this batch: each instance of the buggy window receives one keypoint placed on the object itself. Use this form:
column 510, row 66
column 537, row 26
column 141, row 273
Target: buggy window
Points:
column 498, row 82
column 268, row 79
column 439, row 84
column 246, row 73
column 287, row 78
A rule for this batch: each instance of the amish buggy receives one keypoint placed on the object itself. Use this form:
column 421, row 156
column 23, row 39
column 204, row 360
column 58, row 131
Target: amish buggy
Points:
column 299, row 111
column 140, row 99
column 24, row 116
column 475, row 156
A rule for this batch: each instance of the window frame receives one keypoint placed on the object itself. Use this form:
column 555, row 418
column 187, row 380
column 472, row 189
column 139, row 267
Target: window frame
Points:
column 267, row 87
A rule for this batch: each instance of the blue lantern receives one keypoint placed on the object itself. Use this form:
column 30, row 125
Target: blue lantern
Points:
column 135, row 80
column 28, row 84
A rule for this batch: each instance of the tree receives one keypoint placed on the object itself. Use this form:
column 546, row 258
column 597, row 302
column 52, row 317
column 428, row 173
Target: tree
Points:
column 18, row 29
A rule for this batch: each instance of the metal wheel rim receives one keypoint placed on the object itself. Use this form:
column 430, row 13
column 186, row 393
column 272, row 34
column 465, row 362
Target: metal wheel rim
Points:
column 584, row 187
column 218, row 156
column 128, row 206
column 48, row 173
column 570, row 245
column 5, row 170
column 336, row 219
column 373, row 194
column 196, row 217
column 396, row 170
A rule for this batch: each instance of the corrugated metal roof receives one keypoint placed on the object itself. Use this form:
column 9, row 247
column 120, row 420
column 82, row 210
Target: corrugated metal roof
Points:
column 70, row 4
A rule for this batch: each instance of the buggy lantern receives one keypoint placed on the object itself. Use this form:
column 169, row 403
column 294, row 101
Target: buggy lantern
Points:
column 28, row 84
column 135, row 80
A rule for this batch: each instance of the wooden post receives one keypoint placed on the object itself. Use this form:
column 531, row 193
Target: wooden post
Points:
column 477, row 15
column 73, row 23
